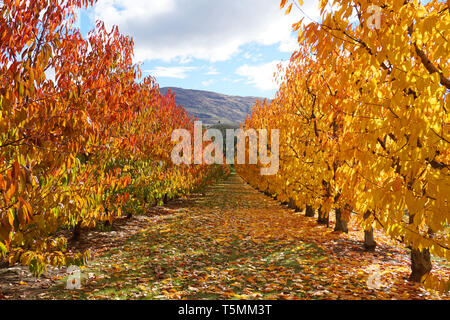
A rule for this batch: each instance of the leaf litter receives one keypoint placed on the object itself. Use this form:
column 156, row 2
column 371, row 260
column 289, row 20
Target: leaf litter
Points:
column 233, row 242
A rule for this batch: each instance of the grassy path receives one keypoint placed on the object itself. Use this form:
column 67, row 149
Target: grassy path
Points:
column 236, row 243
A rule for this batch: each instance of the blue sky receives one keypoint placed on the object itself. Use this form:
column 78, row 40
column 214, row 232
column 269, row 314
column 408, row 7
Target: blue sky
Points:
column 228, row 46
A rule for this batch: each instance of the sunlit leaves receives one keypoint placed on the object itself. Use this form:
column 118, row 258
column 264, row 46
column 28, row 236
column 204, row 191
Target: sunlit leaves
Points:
column 72, row 116
column 362, row 114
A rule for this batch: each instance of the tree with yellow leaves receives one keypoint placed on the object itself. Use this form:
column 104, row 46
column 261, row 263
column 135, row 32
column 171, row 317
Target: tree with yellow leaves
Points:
column 381, row 75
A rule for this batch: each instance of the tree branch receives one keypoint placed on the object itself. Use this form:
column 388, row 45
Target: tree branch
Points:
column 431, row 67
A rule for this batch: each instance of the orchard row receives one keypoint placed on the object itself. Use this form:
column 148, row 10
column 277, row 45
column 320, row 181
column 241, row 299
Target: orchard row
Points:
column 82, row 141
column 363, row 115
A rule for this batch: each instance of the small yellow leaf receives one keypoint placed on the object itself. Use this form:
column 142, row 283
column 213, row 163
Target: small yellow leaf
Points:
column 289, row 9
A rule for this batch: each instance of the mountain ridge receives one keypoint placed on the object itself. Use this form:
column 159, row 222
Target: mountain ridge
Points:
column 213, row 108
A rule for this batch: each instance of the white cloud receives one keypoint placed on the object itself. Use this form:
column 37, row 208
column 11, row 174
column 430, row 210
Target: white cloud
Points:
column 226, row 79
column 247, row 55
column 289, row 46
column 201, row 29
column 208, row 82
column 261, row 76
column 212, row 72
column 185, row 60
column 170, row 72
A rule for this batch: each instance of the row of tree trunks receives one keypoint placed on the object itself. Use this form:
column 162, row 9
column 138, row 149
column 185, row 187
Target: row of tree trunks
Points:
column 341, row 224
column 292, row 205
column 76, row 232
column 420, row 260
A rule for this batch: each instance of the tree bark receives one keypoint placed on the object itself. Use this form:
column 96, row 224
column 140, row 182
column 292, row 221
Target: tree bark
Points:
column 76, row 233
column 3, row 263
column 107, row 223
column 420, row 260
column 310, row 212
column 292, row 205
column 341, row 225
column 420, row 264
column 431, row 68
column 323, row 218
column 369, row 241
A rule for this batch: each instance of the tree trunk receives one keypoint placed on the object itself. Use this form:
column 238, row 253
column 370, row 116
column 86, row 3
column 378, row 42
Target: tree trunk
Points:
column 310, row 212
column 420, row 260
column 323, row 218
column 76, row 233
column 292, row 205
column 369, row 241
column 3, row 263
column 420, row 264
column 341, row 225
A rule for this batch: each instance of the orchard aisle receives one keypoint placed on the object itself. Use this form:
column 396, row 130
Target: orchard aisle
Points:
column 235, row 242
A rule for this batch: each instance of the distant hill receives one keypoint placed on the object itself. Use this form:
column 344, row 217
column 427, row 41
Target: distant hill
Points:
column 212, row 108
